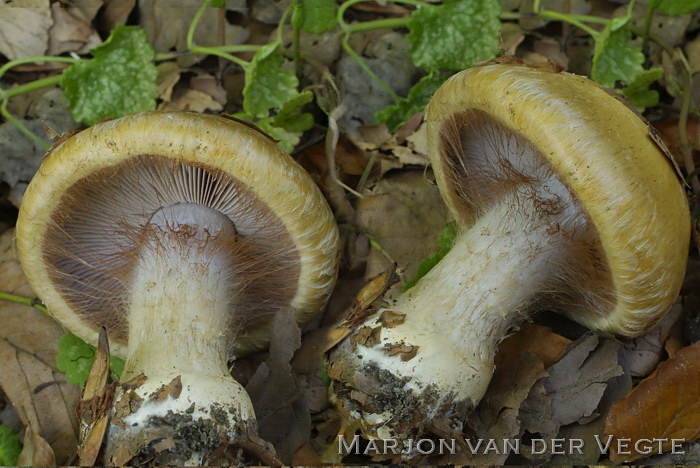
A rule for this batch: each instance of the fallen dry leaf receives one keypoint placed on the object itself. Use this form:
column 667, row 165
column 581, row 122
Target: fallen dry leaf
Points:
column 496, row 417
column 191, row 100
column 70, row 33
column 533, row 338
column 504, row 412
column 35, row 451
column 28, row 375
column 24, row 28
column 644, row 353
column 282, row 413
column 666, row 405
column 115, row 12
column 95, row 404
column 404, row 217
column 577, row 382
column 167, row 22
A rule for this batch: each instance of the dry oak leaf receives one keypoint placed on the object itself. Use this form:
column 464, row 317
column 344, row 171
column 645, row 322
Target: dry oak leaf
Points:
column 28, row 374
column 24, row 28
column 666, row 405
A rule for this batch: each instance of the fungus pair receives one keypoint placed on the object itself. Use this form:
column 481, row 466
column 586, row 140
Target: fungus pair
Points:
column 182, row 234
column 563, row 201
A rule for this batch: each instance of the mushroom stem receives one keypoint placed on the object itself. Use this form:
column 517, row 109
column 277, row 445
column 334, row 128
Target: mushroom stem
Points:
column 176, row 367
column 458, row 313
column 180, row 294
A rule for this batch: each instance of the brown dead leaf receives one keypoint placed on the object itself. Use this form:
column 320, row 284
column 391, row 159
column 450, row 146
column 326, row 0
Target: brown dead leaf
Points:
column 589, row 432
column 172, row 389
column 496, row 417
column 28, row 374
column 115, row 12
column 95, row 404
column 91, row 444
column 367, row 336
column 404, row 217
column 666, row 405
column 535, row 339
column 576, row 383
column 281, row 410
column 70, row 33
column 306, row 456
column 167, row 22
column 406, row 352
column 191, row 100
column 24, row 28
column 35, row 451
column 644, row 353
column 208, row 84
column 670, row 133
column 392, row 318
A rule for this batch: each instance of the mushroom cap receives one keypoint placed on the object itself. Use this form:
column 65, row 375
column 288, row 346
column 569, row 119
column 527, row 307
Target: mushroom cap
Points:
column 602, row 152
column 75, row 232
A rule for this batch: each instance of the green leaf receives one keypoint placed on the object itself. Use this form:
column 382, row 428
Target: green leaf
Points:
column 10, row 446
column 419, row 95
column 445, row 242
column 677, row 7
column 119, row 80
column 638, row 92
column 218, row 3
column 116, row 365
column 75, row 358
column 315, row 16
column 271, row 100
column 286, row 140
column 268, row 85
column 616, row 58
column 454, row 35
column 290, row 117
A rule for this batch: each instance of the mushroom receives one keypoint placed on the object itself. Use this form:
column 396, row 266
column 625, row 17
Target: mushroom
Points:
column 563, row 203
column 183, row 235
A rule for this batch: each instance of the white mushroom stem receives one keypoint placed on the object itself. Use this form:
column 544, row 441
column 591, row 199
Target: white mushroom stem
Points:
column 180, row 294
column 459, row 312
column 179, row 313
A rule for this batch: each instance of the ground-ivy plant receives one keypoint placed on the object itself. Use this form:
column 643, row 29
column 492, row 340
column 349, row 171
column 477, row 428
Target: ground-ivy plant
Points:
column 10, row 446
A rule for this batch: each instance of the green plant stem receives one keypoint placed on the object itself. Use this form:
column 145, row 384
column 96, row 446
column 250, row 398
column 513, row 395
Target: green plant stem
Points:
column 215, row 51
column 193, row 25
column 231, row 49
column 366, row 172
column 15, row 63
column 574, row 20
column 685, row 146
column 283, row 20
column 647, row 26
column 8, row 94
column 31, row 86
column 350, row 3
column 388, row 23
column 35, row 303
column 363, row 65
column 296, row 42
column 508, row 15
column 10, row 118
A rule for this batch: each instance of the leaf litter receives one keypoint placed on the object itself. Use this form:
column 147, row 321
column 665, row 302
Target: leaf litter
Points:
column 550, row 381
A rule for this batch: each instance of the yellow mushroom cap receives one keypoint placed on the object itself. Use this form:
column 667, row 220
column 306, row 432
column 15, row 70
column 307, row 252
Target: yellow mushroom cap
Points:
column 602, row 152
column 114, row 175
